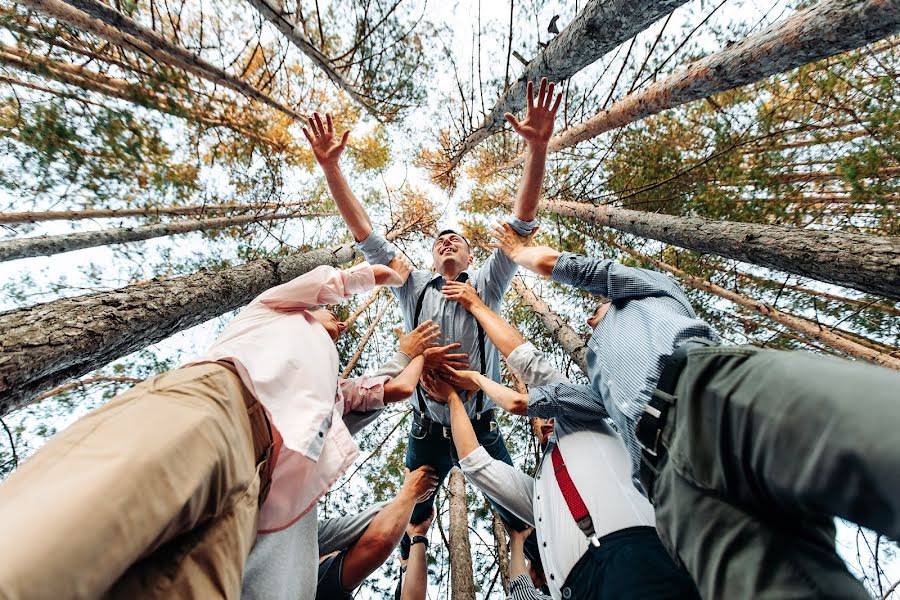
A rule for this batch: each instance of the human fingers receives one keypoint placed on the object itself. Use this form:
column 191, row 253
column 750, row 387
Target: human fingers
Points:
column 330, row 123
column 513, row 122
column 398, row 331
column 529, row 94
column 542, row 92
column 549, row 96
column 319, row 123
column 423, row 326
column 344, row 139
column 308, row 136
column 556, row 104
column 312, row 126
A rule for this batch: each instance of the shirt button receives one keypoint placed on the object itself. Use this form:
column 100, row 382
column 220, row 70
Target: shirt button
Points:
column 321, row 434
column 545, row 544
column 566, row 593
column 552, row 578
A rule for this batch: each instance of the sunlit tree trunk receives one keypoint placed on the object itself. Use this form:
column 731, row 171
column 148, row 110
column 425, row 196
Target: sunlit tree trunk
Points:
column 502, row 548
column 462, row 580
column 863, row 262
column 599, row 26
column 116, row 28
column 47, row 245
column 825, row 29
column 44, row 345
column 152, row 211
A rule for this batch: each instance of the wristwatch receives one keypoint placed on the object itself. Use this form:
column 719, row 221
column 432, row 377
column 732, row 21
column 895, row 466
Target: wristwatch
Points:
column 419, row 539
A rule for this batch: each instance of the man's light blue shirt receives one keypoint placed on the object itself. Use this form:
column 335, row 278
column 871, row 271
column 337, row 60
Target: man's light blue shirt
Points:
column 457, row 325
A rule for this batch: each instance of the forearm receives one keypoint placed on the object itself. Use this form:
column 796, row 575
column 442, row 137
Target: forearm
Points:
column 349, row 206
column 539, row 259
column 517, row 564
column 504, row 336
column 403, row 385
column 464, row 437
column 414, row 584
column 509, row 400
column 529, row 193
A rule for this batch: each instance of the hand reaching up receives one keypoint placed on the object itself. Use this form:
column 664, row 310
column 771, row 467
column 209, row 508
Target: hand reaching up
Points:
column 421, row 483
column 462, row 292
column 418, row 340
column 508, row 241
column 325, row 146
column 537, row 127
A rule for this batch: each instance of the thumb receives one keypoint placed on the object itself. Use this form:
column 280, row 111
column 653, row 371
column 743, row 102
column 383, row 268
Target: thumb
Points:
column 398, row 332
column 344, row 139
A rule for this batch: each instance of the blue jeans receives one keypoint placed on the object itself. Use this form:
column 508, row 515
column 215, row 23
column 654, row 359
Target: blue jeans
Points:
column 437, row 451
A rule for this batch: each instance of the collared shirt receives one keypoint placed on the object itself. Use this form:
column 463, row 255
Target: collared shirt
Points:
column 456, row 323
column 287, row 360
column 649, row 317
column 598, row 463
column 522, row 588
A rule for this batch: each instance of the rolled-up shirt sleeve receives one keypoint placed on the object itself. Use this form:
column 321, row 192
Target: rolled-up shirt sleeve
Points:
column 363, row 394
column 322, row 285
column 522, row 227
column 377, row 249
column 614, row 280
column 576, row 402
column 534, row 368
column 505, row 484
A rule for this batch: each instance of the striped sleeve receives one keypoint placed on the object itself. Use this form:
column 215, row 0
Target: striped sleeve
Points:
column 521, row 588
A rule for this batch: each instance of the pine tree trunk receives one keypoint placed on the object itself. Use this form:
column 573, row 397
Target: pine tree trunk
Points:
column 152, row 211
column 115, row 88
column 462, row 580
column 44, row 345
column 502, row 548
column 798, row 324
column 866, row 263
column 362, row 307
column 597, row 28
column 827, row 28
column 351, row 364
column 568, row 338
column 47, row 245
column 294, row 33
column 114, row 27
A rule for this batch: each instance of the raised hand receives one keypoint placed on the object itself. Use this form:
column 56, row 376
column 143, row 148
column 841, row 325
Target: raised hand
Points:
column 418, row 340
column 438, row 359
column 325, row 146
column 462, row 292
column 421, row 483
column 508, row 241
column 436, row 388
column 537, row 127
column 400, row 264
column 463, row 380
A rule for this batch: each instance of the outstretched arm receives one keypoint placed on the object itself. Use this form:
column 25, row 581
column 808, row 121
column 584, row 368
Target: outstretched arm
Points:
column 415, row 584
column 509, row 400
column 539, row 259
column 536, row 129
column 327, row 149
column 504, row 336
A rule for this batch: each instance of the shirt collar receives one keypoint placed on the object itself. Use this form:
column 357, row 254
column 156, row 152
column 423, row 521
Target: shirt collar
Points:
column 470, row 272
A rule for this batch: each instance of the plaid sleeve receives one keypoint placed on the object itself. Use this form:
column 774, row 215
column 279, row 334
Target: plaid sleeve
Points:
column 614, row 280
column 576, row 402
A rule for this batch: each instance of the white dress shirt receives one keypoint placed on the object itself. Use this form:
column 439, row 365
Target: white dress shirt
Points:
column 598, row 463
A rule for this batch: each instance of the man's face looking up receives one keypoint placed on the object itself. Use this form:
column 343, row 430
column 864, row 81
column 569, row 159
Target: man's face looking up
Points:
column 451, row 253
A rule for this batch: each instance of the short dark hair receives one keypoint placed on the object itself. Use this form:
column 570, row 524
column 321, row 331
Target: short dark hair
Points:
column 454, row 232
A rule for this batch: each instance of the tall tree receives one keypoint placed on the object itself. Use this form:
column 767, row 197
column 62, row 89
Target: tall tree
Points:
column 599, row 26
column 47, row 245
column 827, row 28
column 462, row 584
column 197, row 210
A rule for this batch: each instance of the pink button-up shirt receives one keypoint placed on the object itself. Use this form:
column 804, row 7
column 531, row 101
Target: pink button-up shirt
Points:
column 289, row 363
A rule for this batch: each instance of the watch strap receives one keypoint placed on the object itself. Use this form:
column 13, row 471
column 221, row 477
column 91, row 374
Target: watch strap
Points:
column 419, row 539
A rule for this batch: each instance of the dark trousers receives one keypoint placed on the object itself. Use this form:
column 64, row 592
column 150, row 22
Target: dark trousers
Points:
column 432, row 448
column 762, row 449
column 630, row 563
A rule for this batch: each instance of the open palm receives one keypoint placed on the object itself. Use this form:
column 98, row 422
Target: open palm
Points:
column 326, row 147
column 537, row 127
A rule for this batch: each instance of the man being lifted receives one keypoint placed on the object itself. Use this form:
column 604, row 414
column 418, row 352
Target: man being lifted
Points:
column 421, row 298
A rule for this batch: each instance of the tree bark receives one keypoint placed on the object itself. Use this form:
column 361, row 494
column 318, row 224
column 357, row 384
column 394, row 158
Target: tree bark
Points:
column 114, row 27
column 866, row 263
column 572, row 343
column 294, row 33
column 47, row 245
column 597, row 28
column 827, row 28
column 798, row 324
column 119, row 89
column 462, row 581
column 502, row 548
column 47, row 344
column 351, row 364
column 152, row 211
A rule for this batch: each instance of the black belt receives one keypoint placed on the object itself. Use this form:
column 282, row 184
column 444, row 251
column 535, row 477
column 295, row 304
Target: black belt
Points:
column 483, row 422
column 648, row 430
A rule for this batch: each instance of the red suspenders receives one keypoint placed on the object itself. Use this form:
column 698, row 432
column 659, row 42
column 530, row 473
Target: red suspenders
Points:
column 573, row 499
